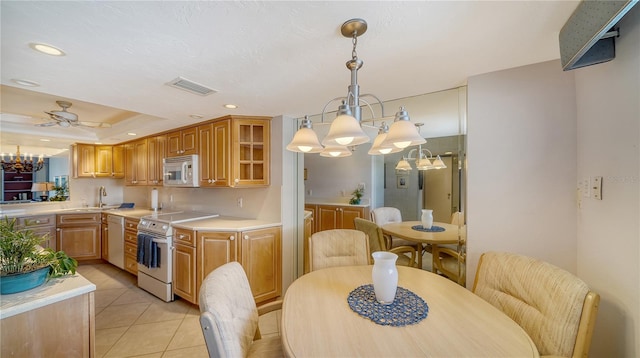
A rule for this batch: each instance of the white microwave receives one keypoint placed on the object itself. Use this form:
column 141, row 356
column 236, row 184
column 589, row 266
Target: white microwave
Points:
column 181, row 171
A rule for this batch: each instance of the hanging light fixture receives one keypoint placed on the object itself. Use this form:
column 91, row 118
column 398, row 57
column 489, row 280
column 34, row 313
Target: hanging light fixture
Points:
column 346, row 128
column 305, row 140
column 335, row 151
column 377, row 147
column 24, row 164
column 403, row 164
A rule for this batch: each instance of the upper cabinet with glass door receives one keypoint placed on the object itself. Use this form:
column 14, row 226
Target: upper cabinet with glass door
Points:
column 251, row 148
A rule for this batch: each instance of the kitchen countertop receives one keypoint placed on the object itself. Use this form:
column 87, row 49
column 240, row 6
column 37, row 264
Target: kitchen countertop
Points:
column 341, row 201
column 53, row 291
column 226, row 223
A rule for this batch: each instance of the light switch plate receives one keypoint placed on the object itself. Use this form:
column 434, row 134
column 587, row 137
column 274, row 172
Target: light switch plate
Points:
column 596, row 186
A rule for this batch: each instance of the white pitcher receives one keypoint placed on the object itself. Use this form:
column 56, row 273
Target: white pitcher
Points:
column 427, row 218
column 385, row 276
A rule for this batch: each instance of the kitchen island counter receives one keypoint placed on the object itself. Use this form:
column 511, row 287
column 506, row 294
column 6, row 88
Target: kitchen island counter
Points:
column 59, row 315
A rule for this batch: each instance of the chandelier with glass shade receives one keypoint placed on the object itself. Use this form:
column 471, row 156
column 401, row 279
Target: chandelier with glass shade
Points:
column 346, row 130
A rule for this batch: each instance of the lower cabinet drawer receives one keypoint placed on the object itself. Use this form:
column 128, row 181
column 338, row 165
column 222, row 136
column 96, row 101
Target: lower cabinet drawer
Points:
column 130, row 264
column 130, row 249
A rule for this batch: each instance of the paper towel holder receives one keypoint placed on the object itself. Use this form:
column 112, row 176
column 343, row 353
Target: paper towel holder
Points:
column 154, row 199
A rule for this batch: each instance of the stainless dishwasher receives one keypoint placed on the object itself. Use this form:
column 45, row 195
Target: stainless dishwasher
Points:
column 116, row 240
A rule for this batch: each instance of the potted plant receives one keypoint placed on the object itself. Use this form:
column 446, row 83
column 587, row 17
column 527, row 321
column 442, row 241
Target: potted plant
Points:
column 61, row 193
column 356, row 196
column 24, row 264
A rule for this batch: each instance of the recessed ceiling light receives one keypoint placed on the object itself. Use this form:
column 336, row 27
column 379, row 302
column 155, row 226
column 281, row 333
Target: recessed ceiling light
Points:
column 196, row 116
column 230, row 106
column 131, row 133
column 25, row 82
column 46, row 49
column 45, row 140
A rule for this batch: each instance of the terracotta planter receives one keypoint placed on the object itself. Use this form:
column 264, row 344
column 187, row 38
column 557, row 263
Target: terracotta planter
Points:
column 23, row 281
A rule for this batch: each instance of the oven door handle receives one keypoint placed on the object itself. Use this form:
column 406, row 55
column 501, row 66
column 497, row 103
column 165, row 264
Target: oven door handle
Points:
column 161, row 241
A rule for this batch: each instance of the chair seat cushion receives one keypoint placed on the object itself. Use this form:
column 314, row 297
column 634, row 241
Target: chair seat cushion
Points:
column 267, row 347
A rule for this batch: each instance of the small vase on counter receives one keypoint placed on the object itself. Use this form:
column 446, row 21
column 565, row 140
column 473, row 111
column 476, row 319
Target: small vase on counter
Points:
column 385, row 276
column 427, row 218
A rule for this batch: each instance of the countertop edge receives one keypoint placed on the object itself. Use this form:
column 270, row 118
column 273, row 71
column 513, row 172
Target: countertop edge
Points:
column 50, row 292
column 226, row 223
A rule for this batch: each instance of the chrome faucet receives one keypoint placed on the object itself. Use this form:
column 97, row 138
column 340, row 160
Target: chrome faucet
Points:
column 101, row 192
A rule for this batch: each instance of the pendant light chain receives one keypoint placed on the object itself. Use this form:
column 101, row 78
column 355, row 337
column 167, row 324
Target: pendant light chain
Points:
column 354, row 54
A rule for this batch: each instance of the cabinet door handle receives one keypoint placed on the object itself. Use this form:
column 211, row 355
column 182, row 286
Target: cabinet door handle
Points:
column 246, row 237
column 57, row 229
column 180, row 236
column 232, row 237
column 236, row 180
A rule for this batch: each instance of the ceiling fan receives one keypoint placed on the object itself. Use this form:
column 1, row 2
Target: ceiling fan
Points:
column 68, row 119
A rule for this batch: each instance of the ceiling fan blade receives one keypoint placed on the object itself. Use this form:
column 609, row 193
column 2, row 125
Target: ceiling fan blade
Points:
column 48, row 124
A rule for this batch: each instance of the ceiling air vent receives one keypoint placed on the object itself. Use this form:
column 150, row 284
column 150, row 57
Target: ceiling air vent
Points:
column 190, row 86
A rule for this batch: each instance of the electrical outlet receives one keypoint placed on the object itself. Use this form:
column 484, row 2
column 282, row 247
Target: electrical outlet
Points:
column 239, row 202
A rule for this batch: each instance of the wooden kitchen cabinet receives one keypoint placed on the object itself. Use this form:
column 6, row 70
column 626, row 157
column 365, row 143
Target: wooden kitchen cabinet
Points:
column 214, row 147
column 79, row 236
column 339, row 216
column 131, row 245
column 182, row 142
column 261, row 259
column 104, row 224
column 156, row 147
column 250, row 151
column 83, row 160
column 184, row 265
column 91, row 161
column 109, row 161
column 41, row 225
column 259, row 252
column 136, row 157
column 117, row 158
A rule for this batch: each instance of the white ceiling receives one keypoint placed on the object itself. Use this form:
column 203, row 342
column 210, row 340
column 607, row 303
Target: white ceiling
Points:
column 269, row 58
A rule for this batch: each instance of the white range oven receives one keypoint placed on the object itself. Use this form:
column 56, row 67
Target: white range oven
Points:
column 155, row 250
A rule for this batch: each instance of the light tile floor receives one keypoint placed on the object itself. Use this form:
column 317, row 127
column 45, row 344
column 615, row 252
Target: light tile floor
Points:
column 133, row 323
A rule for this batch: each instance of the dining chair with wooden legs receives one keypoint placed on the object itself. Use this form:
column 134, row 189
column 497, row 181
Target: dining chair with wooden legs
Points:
column 377, row 243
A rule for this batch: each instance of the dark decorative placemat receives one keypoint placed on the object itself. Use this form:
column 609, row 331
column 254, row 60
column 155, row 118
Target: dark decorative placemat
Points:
column 407, row 307
column 432, row 229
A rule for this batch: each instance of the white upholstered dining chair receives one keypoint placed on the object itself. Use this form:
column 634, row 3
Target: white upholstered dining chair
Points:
column 229, row 316
column 385, row 215
column 554, row 307
column 338, row 247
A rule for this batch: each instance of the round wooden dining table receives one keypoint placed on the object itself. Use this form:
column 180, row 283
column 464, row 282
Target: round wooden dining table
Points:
column 403, row 230
column 318, row 322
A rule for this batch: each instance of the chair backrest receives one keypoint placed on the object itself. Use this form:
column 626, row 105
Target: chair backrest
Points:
column 373, row 231
column 384, row 215
column 228, row 312
column 457, row 218
column 338, row 247
column 553, row 306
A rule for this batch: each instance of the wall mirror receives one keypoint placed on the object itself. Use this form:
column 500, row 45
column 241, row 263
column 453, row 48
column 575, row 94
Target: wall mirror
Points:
column 443, row 115
column 26, row 187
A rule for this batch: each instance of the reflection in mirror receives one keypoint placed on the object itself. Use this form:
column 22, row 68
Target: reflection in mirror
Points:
column 443, row 115
column 33, row 187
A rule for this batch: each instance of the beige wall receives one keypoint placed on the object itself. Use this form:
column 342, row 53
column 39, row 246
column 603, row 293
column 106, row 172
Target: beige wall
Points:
column 534, row 133
column 608, row 102
column 522, row 164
